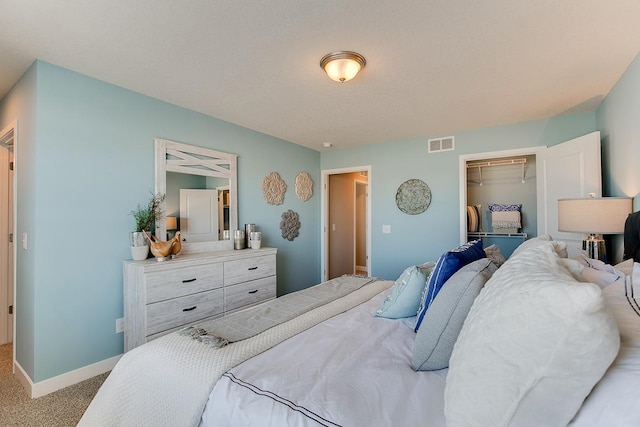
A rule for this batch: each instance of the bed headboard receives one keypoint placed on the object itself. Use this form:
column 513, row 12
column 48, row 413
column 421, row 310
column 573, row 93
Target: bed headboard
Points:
column 632, row 237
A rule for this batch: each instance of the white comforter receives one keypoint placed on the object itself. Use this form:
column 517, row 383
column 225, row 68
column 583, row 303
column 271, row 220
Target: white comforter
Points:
column 166, row 381
column 354, row 370
column 351, row 370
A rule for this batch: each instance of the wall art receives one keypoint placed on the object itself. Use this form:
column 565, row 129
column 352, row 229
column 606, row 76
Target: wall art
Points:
column 290, row 225
column 274, row 188
column 413, row 197
column 304, row 186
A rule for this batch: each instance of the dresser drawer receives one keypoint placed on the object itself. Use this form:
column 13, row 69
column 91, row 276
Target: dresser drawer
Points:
column 167, row 284
column 243, row 270
column 249, row 293
column 180, row 311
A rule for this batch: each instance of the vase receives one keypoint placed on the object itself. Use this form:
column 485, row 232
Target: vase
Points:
column 139, row 246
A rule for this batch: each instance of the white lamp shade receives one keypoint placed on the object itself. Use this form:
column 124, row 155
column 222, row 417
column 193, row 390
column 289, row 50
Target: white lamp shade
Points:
column 602, row 215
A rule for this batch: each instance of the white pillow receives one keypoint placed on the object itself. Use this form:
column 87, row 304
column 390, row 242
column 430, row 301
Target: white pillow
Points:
column 560, row 247
column 601, row 275
column 534, row 344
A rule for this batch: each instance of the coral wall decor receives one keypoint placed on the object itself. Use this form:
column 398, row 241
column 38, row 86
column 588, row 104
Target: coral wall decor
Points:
column 304, row 186
column 290, row 225
column 273, row 188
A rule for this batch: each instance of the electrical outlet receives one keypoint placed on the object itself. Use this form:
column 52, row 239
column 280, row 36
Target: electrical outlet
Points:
column 119, row 325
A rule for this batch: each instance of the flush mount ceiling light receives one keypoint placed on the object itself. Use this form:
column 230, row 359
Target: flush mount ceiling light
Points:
column 342, row 66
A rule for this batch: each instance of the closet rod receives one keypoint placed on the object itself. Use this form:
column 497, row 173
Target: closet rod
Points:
column 497, row 163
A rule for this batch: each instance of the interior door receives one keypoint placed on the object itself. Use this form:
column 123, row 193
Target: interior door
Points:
column 199, row 215
column 6, row 237
column 570, row 170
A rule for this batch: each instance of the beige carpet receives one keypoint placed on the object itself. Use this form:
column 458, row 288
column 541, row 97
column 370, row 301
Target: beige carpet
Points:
column 59, row 409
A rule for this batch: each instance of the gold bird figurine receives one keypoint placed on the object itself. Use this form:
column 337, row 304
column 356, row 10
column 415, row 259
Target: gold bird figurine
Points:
column 177, row 246
column 159, row 249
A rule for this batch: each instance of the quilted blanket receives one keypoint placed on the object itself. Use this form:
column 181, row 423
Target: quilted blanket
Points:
column 166, row 382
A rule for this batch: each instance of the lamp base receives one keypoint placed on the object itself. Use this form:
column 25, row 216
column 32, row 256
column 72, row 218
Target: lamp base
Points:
column 595, row 248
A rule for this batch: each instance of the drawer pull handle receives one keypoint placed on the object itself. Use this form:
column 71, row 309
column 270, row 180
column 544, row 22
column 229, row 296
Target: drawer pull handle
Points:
column 253, row 292
column 253, row 268
column 189, row 280
column 190, row 309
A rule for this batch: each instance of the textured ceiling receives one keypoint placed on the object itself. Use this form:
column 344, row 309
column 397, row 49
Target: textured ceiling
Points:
column 433, row 66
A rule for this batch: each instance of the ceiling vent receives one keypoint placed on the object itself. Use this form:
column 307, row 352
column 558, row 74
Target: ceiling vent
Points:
column 446, row 143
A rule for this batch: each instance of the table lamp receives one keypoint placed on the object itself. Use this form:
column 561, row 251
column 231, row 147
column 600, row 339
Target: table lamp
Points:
column 594, row 216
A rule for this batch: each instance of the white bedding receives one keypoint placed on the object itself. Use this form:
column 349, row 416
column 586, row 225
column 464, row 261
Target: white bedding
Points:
column 354, row 370
column 351, row 370
column 615, row 400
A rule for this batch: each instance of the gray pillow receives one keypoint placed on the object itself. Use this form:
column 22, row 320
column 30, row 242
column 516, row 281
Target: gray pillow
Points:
column 446, row 314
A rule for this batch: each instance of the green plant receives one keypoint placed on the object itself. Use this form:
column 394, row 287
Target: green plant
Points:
column 146, row 216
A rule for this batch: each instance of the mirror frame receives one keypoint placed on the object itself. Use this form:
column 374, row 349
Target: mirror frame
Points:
column 206, row 162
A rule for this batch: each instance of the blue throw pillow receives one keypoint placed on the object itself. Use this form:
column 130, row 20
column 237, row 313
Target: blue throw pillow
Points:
column 447, row 265
column 403, row 299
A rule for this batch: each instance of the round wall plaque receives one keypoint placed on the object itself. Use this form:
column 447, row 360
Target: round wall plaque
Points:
column 413, row 197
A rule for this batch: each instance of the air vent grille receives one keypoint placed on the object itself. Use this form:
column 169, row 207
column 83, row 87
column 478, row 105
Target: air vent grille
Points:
column 446, row 143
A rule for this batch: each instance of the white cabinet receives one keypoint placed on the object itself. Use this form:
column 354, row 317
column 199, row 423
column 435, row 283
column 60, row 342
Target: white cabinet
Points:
column 161, row 297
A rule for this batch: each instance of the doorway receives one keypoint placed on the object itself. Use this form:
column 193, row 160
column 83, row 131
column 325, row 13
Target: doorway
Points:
column 7, row 251
column 345, row 221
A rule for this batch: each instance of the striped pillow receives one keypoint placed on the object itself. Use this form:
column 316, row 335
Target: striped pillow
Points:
column 446, row 266
column 474, row 218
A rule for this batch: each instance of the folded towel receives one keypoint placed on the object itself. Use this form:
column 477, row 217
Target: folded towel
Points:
column 505, row 219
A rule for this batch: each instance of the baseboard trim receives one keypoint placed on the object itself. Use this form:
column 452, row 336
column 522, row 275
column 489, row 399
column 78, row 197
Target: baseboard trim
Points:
column 50, row 385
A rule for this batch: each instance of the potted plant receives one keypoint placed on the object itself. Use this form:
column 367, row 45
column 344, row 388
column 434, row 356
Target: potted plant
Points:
column 145, row 217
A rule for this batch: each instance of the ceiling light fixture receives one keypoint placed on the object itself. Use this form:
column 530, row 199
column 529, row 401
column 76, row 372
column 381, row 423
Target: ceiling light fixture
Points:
column 342, row 66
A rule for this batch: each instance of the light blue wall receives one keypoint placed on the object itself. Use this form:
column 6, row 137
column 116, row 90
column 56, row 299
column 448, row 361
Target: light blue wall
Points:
column 420, row 238
column 90, row 165
column 618, row 119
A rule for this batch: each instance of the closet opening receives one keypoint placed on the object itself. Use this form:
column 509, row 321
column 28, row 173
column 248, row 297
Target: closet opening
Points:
column 506, row 183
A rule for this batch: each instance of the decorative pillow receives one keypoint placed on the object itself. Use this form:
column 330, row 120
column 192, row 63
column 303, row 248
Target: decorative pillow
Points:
column 443, row 321
column 601, row 274
column 474, row 218
column 497, row 207
column 446, row 266
column 560, row 247
column 534, row 344
column 403, row 299
column 625, row 267
column 494, row 254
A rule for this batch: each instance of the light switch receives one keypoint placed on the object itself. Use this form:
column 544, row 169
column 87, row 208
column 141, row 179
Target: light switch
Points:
column 24, row 240
column 386, row 229
column 333, row 227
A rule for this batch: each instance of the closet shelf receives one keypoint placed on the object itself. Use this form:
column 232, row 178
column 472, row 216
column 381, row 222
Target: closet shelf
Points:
column 522, row 236
column 486, row 164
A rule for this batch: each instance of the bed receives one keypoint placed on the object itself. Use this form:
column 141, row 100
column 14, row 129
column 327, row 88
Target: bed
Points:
column 538, row 340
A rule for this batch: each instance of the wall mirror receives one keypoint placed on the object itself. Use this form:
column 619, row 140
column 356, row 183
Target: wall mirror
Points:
column 201, row 190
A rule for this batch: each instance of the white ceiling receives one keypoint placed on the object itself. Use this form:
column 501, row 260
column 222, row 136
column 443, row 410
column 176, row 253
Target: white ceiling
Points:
column 433, row 66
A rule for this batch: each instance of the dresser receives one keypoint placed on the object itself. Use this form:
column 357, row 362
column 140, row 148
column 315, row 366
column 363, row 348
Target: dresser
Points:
column 162, row 297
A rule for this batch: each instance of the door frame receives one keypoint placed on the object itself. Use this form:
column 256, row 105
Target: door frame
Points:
column 324, row 216
column 364, row 183
column 12, row 127
column 462, row 179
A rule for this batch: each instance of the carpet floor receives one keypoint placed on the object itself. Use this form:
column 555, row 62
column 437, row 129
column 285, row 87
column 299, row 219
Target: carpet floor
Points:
column 61, row 408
